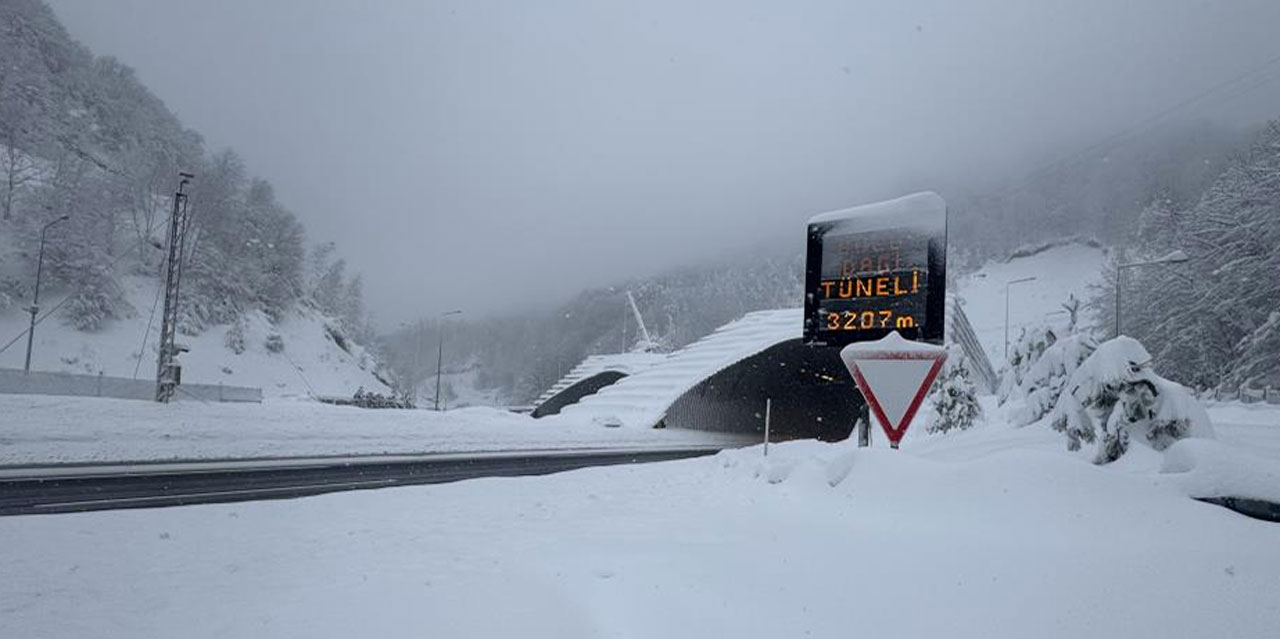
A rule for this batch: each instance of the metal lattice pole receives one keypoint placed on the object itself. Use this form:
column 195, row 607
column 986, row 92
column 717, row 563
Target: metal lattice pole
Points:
column 166, row 370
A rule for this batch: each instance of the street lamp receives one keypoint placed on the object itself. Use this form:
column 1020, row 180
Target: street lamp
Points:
column 440, row 354
column 1176, row 257
column 35, row 298
column 1006, row 309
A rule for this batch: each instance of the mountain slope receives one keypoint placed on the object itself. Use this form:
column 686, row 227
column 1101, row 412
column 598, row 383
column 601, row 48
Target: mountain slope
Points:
column 312, row 362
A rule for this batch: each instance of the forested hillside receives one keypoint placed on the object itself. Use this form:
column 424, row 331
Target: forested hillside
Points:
column 81, row 136
column 520, row 355
column 1214, row 319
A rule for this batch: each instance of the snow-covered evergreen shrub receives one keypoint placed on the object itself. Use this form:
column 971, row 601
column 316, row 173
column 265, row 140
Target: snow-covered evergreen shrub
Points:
column 234, row 338
column 336, row 335
column 1115, row 395
column 1042, row 384
column 955, row 397
column 97, row 300
column 275, row 343
column 1023, row 354
column 12, row 292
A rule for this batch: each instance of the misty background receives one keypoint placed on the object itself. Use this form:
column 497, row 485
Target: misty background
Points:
column 495, row 155
column 380, row 164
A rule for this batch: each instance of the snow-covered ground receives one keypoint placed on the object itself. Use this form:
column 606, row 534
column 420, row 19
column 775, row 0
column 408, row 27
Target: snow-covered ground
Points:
column 44, row 430
column 1060, row 271
column 991, row 532
column 311, row 362
column 987, row 533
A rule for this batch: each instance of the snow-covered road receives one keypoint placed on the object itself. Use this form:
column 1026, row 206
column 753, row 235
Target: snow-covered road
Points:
column 38, row 430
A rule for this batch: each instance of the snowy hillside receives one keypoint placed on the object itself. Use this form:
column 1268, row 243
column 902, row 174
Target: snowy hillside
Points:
column 1060, row 271
column 310, row 363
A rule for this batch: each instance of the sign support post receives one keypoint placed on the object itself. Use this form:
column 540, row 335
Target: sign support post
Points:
column 864, row 426
column 768, row 409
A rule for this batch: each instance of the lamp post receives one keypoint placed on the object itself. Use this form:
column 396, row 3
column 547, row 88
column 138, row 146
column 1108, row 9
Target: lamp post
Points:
column 440, row 355
column 1176, row 257
column 1006, row 309
column 35, row 298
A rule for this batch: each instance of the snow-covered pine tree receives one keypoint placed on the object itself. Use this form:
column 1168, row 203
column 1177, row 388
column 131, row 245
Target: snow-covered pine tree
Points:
column 1023, row 354
column 1255, row 363
column 954, row 397
column 1072, row 307
column 234, row 338
column 1116, row 396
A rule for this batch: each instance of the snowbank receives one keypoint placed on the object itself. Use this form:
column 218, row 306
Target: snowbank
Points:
column 1204, row 468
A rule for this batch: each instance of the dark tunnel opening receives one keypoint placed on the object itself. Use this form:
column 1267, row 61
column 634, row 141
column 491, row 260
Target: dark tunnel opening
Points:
column 574, row 393
column 813, row 396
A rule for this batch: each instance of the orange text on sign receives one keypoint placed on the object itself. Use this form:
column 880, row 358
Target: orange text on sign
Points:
column 855, row 321
column 881, row 286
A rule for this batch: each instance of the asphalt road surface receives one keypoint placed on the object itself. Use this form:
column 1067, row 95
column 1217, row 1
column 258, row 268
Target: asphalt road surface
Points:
column 79, row 488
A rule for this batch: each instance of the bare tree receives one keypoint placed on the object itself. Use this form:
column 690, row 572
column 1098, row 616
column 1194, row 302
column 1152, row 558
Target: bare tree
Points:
column 19, row 169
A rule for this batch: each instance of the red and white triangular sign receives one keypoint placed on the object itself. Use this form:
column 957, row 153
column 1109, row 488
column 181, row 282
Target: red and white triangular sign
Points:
column 894, row 375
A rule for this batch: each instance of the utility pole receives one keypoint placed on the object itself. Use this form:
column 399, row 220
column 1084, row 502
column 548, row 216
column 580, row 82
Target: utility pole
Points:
column 35, row 301
column 417, row 356
column 168, row 374
column 440, row 355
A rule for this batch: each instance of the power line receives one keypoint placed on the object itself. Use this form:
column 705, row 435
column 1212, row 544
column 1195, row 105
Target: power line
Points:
column 68, row 298
column 147, row 333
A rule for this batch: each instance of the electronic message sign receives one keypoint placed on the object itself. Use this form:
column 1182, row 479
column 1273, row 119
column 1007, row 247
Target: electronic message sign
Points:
column 875, row 269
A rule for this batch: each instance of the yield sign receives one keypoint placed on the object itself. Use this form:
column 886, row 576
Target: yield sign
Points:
column 894, row 375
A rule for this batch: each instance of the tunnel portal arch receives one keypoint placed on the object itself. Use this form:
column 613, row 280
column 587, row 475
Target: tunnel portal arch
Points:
column 812, row 393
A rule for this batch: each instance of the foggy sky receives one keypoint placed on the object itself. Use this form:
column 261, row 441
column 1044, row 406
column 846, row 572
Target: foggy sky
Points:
column 484, row 155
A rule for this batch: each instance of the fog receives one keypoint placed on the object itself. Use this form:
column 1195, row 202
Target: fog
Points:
column 491, row 156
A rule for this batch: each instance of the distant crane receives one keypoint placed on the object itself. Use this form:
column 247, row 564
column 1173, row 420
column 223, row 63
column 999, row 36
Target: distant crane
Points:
column 646, row 344
column 168, row 373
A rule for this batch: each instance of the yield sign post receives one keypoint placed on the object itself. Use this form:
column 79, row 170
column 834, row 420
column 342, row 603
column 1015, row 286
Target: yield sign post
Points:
column 894, row 375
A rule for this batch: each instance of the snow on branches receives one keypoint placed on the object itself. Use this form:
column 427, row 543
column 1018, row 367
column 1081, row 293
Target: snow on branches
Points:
column 955, row 397
column 1114, row 396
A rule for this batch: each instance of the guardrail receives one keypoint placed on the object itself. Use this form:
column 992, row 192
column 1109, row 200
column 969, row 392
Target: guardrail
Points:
column 963, row 334
column 1266, row 395
column 16, row 382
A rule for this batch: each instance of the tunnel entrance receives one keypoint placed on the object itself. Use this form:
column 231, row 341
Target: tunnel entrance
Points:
column 813, row 396
column 574, row 393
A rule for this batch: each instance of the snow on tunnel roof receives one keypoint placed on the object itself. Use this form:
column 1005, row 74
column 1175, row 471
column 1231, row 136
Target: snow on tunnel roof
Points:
column 641, row 399
column 628, row 363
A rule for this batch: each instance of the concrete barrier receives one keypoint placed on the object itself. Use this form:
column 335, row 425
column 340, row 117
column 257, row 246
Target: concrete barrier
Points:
column 16, row 382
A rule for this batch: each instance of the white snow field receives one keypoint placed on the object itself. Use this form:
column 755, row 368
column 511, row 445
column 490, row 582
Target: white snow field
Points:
column 983, row 534
column 311, row 362
column 1060, row 271
column 37, row 430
